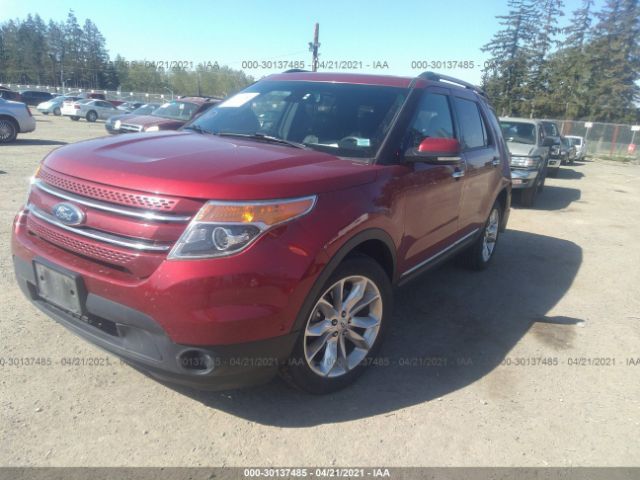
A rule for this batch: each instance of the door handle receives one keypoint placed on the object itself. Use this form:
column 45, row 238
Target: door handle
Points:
column 495, row 162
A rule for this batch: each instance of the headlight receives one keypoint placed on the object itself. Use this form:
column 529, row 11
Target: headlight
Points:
column 117, row 124
column 225, row 228
column 152, row 128
column 526, row 162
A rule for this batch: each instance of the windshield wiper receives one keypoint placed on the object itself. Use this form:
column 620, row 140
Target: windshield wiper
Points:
column 263, row 137
column 196, row 128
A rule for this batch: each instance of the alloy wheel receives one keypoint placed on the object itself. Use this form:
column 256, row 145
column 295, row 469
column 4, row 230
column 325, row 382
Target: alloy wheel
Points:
column 490, row 235
column 343, row 326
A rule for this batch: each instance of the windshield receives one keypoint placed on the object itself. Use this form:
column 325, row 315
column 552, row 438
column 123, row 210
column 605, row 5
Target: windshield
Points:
column 176, row 110
column 145, row 109
column 518, row 132
column 342, row 119
column 576, row 141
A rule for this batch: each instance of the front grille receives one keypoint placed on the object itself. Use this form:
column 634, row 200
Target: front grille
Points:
column 81, row 247
column 128, row 127
column 107, row 194
column 123, row 229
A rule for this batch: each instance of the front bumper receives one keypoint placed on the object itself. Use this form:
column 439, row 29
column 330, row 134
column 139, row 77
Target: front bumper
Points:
column 225, row 307
column 140, row 341
column 522, row 178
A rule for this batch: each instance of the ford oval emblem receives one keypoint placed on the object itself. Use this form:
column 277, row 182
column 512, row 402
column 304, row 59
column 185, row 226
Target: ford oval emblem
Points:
column 68, row 214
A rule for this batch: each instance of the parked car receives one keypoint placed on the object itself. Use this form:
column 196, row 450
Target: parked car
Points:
column 220, row 254
column 15, row 118
column 9, row 94
column 580, row 145
column 551, row 130
column 54, row 105
column 529, row 147
column 89, row 109
column 567, row 152
column 129, row 106
column 112, row 125
column 169, row 116
column 34, row 97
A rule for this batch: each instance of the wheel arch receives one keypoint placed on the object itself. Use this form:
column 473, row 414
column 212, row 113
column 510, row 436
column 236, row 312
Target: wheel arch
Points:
column 374, row 243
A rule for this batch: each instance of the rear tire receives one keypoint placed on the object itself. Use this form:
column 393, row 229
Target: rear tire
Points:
column 91, row 116
column 74, row 118
column 56, row 112
column 8, row 130
column 341, row 337
column 481, row 253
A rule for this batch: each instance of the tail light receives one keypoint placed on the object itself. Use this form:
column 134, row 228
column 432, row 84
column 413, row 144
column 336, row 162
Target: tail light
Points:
column 77, row 107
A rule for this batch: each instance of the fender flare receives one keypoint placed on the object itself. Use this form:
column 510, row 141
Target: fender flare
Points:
column 332, row 264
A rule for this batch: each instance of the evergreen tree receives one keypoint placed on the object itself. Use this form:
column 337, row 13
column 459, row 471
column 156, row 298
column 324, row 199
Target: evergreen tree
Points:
column 511, row 52
column 613, row 56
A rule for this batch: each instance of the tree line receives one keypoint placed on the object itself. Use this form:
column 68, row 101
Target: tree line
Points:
column 586, row 71
column 35, row 52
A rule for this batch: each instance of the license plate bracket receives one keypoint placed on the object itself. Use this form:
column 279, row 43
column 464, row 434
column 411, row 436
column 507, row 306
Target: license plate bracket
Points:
column 61, row 288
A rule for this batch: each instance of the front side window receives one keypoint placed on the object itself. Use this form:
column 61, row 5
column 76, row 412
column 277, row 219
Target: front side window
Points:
column 431, row 120
column 343, row 119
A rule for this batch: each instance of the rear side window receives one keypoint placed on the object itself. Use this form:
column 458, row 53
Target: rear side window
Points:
column 473, row 130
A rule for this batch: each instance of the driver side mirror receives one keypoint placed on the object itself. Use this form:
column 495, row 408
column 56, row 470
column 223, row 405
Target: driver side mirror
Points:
column 435, row 150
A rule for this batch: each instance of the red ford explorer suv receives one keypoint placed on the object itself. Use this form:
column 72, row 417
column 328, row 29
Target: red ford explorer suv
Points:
column 268, row 234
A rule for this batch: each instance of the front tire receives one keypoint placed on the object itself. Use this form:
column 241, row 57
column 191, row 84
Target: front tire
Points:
column 56, row 112
column 343, row 329
column 481, row 253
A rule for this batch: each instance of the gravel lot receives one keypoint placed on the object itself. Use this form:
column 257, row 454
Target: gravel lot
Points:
column 528, row 364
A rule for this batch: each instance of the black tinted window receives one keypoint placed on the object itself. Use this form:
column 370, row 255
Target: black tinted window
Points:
column 432, row 119
column 473, row 132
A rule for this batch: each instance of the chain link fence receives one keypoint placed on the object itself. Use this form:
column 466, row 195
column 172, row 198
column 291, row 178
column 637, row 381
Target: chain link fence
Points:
column 606, row 140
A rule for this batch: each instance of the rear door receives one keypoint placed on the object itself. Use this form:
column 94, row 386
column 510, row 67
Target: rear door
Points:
column 482, row 159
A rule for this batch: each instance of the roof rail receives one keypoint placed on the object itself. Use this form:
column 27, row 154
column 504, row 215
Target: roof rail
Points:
column 296, row 70
column 436, row 77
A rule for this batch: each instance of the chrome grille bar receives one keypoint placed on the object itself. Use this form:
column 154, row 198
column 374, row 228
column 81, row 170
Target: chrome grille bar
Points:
column 108, row 207
column 97, row 234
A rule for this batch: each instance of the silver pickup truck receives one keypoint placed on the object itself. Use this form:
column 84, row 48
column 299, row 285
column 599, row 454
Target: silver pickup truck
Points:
column 529, row 148
column 15, row 117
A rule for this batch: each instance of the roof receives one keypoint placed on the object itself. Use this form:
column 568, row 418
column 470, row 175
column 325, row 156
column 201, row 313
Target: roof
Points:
column 519, row 119
column 198, row 100
column 355, row 78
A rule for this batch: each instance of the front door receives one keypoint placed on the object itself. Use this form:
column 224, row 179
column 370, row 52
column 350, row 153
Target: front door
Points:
column 432, row 192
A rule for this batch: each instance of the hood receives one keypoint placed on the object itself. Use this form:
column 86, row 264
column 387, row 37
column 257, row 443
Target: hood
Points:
column 189, row 164
column 149, row 120
column 521, row 149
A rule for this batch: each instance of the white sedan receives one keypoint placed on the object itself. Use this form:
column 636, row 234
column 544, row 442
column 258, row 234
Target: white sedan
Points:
column 89, row 108
column 54, row 105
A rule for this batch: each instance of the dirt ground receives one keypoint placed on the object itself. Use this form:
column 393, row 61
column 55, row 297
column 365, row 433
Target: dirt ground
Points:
column 535, row 362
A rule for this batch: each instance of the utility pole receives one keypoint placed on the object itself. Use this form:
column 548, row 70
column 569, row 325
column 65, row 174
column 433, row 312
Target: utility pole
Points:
column 313, row 48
